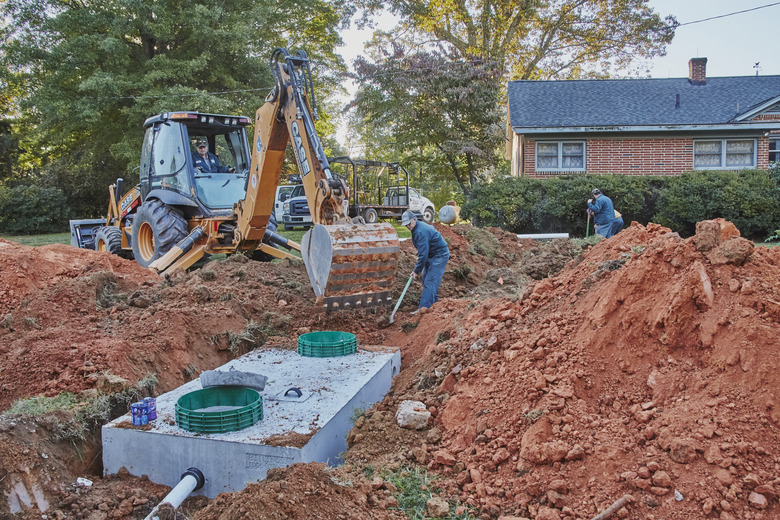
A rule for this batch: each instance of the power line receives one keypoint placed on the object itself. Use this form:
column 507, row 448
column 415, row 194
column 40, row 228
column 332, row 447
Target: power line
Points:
column 193, row 95
column 727, row 15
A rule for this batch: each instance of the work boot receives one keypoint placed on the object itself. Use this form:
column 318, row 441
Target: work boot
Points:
column 414, row 313
column 423, row 310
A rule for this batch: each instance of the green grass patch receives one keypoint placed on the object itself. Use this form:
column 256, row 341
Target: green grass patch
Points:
column 415, row 487
column 40, row 240
column 37, row 406
column 482, row 242
column 74, row 418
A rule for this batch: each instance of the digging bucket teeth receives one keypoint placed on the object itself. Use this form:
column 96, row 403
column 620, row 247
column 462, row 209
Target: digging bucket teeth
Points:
column 351, row 266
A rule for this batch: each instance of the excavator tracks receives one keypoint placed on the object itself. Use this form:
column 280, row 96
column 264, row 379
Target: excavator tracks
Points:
column 351, row 265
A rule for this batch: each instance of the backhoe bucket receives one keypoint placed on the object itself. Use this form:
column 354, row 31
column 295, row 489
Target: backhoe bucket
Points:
column 351, row 265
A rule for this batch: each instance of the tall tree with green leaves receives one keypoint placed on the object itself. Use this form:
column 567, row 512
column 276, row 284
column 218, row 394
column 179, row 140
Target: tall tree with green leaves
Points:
column 443, row 113
column 91, row 71
column 536, row 39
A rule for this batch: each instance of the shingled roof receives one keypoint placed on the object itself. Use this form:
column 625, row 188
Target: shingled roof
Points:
column 637, row 102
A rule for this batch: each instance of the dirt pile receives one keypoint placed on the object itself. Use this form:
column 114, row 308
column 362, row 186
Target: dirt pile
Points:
column 96, row 325
column 647, row 367
column 557, row 382
column 71, row 317
column 305, row 491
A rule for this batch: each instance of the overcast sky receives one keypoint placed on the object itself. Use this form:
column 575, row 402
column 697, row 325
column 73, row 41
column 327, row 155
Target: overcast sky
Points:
column 732, row 44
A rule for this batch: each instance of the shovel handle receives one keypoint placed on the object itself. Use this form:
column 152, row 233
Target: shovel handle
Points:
column 400, row 298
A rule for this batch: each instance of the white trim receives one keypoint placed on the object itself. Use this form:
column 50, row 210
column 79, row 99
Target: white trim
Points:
column 777, row 150
column 758, row 126
column 560, row 144
column 723, row 154
column 760, row 108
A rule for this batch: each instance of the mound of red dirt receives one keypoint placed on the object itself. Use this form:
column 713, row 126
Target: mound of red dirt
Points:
column 647, row 367
column 305, row 491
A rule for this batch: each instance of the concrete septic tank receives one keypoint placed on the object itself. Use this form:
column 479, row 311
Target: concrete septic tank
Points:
column 332, row 390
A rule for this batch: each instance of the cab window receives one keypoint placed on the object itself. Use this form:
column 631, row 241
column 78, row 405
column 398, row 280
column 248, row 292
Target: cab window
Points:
column 167, row 169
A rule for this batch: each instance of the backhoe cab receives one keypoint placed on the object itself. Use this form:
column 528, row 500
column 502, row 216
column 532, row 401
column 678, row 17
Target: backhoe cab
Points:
column 180, row 212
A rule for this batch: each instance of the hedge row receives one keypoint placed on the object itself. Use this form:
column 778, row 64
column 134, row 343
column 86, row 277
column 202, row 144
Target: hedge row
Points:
column 748, row 198
column 32, row 209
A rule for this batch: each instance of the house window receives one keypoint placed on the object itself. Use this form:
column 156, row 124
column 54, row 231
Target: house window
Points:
column 774, row 149
column 560, row 156
column 724, row 153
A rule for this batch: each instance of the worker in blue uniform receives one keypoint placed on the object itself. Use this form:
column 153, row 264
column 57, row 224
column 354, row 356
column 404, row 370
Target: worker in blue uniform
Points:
column 603, row 213
column 432, row 257
column 206, row 161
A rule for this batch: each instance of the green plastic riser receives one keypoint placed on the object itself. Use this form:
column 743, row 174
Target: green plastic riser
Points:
column 327, row 343
column 245, row 409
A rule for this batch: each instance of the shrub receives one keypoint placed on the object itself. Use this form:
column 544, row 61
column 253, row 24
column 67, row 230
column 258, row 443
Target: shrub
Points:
column 748, row 198
column 32, row 209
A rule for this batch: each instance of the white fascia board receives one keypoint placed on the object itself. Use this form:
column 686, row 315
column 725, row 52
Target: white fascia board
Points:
column 757, row 126
column 760, row 108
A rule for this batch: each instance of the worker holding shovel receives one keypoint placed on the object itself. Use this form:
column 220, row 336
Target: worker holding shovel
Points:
column 603, row 213
column 432, row 257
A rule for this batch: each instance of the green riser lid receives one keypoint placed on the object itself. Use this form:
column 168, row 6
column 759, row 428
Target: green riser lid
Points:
column 327, row 344
column 246, row 402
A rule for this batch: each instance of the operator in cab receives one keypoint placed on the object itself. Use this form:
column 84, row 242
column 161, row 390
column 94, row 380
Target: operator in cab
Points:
column 206, row 161
column 432, row 257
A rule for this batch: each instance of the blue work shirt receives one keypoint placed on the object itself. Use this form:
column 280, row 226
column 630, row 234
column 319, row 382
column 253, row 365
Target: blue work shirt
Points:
column 429, row 244
column 210, row 164
column 603, row 210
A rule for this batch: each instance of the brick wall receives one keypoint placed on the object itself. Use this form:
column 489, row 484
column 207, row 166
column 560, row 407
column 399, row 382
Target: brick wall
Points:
column 636, row 156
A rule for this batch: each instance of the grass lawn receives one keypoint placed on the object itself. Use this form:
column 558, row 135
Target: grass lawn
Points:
column 39, row 240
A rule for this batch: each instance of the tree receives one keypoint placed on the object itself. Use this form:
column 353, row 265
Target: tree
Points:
column 536, row 39
column 442, row 112
column 93, row 70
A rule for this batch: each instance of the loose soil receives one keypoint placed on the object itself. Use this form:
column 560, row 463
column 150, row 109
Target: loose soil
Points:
column 558, row 380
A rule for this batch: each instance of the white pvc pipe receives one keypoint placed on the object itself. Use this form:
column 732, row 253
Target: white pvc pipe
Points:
column 191, row 480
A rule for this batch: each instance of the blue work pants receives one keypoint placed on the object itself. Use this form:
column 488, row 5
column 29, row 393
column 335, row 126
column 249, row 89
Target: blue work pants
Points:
column 431, row 279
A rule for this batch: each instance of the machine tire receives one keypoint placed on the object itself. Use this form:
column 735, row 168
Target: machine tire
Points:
column 156, row 229
column 109, row 239
column 370, row 216
column 428, row 215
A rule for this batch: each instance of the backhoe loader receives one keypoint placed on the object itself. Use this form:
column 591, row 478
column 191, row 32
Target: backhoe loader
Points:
column 178, row 213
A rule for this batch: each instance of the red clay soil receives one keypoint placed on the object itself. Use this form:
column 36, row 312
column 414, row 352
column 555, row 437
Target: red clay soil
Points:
column 69, row 316
column 305, row 491
column 648, row 366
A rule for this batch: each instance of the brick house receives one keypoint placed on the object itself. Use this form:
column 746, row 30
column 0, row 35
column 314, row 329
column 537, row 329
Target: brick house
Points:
column 644, row 126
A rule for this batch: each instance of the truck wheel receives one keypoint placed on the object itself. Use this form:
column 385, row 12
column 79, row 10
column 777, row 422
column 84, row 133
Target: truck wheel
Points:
column 156, row 229
column 428, row 215
column 370, row 216
column 109, row 239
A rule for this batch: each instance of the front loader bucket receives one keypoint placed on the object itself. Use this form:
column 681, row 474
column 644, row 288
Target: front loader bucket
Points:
column 351, row 265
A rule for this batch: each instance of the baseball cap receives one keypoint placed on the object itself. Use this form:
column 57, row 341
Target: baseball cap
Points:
column 200, row 142
column 595, row 192
column 407, row 217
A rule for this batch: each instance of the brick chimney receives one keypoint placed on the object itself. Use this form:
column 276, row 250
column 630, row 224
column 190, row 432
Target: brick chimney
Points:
column 697, row 71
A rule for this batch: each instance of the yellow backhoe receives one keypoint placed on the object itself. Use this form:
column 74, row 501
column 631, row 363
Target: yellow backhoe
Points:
column 200, row 193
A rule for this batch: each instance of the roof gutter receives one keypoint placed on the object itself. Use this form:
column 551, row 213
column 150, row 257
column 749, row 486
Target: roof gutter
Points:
column 762, row 126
